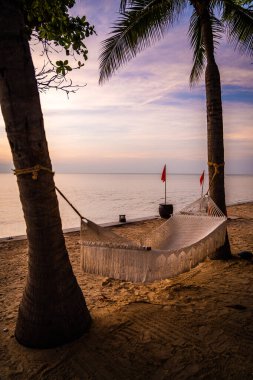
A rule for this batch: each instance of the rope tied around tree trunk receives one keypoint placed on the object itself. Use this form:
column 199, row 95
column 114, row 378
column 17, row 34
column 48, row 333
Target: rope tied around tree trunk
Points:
column 216, row 171
column 33, row 170
column 216, row 167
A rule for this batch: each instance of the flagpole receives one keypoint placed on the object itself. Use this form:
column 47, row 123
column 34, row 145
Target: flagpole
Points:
column 165, row 185
column 201, row 202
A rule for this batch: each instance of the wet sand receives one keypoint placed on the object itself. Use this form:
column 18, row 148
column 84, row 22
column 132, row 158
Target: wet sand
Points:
column 198, row 325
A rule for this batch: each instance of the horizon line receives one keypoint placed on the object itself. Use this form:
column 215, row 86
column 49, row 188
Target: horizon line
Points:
column 136, row 173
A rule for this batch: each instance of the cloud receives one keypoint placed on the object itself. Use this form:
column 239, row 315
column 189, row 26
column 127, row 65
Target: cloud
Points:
column 146, row 114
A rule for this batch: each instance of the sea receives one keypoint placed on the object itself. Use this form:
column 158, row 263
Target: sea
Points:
column 103, row 197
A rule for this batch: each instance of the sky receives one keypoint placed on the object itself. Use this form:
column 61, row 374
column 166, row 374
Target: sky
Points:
column 146, row 115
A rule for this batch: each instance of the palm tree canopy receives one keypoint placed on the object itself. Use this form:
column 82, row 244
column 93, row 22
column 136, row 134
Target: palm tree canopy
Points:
column 144, row 22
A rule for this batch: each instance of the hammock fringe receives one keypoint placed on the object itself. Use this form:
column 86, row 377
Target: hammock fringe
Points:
column 178, row 245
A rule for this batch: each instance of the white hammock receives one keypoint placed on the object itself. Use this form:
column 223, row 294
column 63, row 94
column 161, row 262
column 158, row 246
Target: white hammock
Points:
column 179, row 244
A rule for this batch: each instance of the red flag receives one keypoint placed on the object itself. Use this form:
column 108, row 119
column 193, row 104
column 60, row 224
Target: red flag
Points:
column 201, row 179
column 163, row 176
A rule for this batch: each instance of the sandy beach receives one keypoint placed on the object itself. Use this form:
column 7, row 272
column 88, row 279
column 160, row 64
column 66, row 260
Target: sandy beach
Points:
column 198, row 325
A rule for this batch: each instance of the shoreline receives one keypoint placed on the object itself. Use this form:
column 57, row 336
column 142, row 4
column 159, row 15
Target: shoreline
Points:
column 111, row 224
column 197, row 325
column 77, row 229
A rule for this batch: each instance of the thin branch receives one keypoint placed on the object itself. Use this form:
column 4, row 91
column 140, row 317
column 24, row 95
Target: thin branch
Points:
column 47, row 76
column 47, row 79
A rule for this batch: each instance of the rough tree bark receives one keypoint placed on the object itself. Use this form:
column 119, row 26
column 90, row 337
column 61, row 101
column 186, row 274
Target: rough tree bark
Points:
column 215, row 145
column 53, row 310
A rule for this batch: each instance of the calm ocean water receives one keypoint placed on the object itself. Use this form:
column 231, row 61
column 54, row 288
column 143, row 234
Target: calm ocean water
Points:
column 102, row 197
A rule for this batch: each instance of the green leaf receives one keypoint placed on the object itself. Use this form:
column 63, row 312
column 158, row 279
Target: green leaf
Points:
column 141, row 25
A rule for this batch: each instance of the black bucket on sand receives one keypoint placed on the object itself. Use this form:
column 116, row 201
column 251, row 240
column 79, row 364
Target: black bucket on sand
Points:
column 165, row 210
column 122, row 218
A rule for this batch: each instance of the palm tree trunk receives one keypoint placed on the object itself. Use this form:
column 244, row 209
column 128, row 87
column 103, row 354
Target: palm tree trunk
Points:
column 214, row 126
column 53, row 310
column 215, row 135
column 214, row 119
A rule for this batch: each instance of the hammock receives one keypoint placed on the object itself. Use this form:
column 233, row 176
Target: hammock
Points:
column 178, row 245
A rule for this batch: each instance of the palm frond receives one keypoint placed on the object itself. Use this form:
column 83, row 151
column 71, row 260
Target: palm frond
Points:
column 196, row 40
column 142, row 24
column 124, row 4
column 239, row 26
column 217, row 27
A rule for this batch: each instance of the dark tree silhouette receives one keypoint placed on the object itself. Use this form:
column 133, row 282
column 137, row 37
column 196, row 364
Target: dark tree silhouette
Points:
column 143, row 22
column 53, row 309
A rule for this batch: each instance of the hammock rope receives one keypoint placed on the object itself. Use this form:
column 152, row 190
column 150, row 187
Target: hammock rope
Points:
column 98, row 234
column 176, row 246
column 179, row 244
column 216, row 171
column 70, row 204
column 33, row 170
